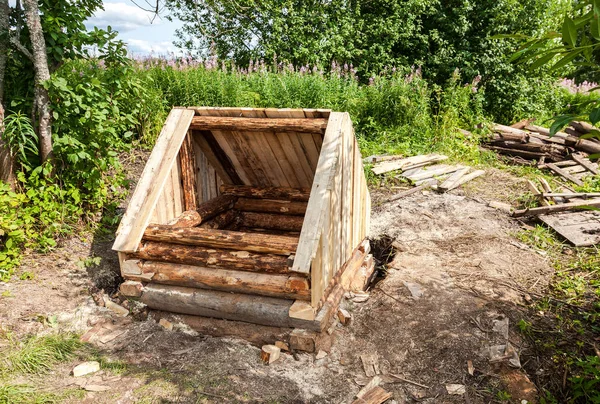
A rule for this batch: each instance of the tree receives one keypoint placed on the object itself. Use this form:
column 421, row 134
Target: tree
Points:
column 41, row 104
column 577, row 44
column 6, row 158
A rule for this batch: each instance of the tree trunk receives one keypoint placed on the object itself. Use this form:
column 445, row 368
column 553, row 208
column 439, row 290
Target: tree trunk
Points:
column 42, row 116
column 6, row 158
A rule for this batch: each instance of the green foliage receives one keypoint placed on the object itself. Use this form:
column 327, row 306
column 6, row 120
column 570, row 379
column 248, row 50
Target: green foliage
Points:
column 22, row 140
column 586, row 383
column 38, row 354
column 438, row 35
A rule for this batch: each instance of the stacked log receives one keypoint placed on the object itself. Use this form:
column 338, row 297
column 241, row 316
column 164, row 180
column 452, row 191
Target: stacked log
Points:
column 533, row 142
column 202, row 249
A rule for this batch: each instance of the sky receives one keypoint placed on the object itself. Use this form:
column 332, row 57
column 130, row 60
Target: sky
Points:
column 136, row 27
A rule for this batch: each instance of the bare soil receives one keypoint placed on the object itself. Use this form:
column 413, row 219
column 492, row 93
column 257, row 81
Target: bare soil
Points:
column 459, row 274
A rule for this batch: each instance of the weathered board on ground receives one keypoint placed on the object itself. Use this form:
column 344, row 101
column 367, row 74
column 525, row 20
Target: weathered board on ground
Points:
column 582, row 229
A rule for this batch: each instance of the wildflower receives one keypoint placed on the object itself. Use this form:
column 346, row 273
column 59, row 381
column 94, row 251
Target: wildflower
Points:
column 371, row 81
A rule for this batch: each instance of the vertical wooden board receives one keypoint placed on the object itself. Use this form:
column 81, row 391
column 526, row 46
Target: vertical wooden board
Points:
column 347, row 154
column 177, row 189
column 298, row 150
column 246, row 151
column 262, row 150
column 303, row 143
column 281, row 159
column 168, row 196
column 153, row 178
column 161, row 206
column 302, row 171
column 221, row 140
column 213, row 190
column 317, row 287
column 356, row 197
column 319, row 195
column 336, row 213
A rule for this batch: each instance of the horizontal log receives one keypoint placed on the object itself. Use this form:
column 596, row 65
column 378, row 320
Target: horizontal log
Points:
column 222, row 220
column 583, row 145
column 521, row 153
column 213, row 207
column 540, row 148
column 504, row 137
column 280, row 193
column 582, row 127
column 189, row 218
column 234, row 240
column 227, row 280
column 211, row 303
column 211, row 257
column 580, row 205
column 569, row 195
column 564, row 174
column 271, row 221
column 241, row 124
column 271, row 206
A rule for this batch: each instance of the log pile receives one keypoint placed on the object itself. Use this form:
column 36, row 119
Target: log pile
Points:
column 566, row 153
column 242, row 241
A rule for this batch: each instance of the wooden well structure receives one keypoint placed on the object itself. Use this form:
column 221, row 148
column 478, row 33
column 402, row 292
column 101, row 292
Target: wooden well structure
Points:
column 255, row 215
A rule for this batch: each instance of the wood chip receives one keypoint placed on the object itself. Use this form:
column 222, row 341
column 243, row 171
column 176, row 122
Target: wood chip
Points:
column 470, row 367
column 376, row 395
column 269, row 354
column 344, row 317
column 370, row 363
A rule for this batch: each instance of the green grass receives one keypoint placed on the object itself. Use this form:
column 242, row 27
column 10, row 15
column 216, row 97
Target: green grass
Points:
column 38, row 354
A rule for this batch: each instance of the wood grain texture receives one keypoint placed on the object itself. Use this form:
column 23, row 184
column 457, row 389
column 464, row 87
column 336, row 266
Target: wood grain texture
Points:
column 271, row 206
column 227, row 280
column 271, row 221
column 209, row 303
column 187, row 161
column 211, row 257
column 233, row 240
column 280, row 193
column 246, row 124
column 155, row 174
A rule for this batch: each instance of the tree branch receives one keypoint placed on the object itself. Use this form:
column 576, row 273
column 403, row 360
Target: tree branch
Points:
column 21, row 48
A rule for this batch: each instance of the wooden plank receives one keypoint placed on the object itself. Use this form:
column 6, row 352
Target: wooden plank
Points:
column 253, row 242
column 346, row 191
column 594, row 203
column 536, row 192
column 216, row 304
column 265, row 156
column 575, row 169
column 227, row 280
column 257, row 125
column 433, row 171
column 582, row 229
column 177, row 189
column 319, row 195
column 453, row 180
column 205, row 143
column 295, row 154
column 152, row 181
column 187, row 164
column 585, row 162
column 564, row 174
column 402, row 164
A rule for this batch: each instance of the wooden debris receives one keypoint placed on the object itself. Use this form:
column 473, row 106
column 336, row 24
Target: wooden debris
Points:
column 131, row 289
column 456, row 389
column 114, row 307
column 434, row 171
column 370, row 363
column 166, row 324
column 557, row 208
column 505, row 207
column 408, row 192
column 320, row 355
column 585, row 163
column 536, row 192
column 373, row 382
column 407, row 163
column 453, row 180
column 582, row 229
column 379, row 158
column 303, row 340
column 282, row 345
column 376, row 395
column 571, row 195
column 344, row 317
column 470, row 367
column 564, row 174
column 269, row 354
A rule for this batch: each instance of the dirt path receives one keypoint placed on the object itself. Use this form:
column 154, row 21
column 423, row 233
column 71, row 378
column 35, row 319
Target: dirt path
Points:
column 448, row 294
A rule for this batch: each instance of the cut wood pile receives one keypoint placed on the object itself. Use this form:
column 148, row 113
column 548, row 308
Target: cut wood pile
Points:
column 565, row 153
column 424, row 171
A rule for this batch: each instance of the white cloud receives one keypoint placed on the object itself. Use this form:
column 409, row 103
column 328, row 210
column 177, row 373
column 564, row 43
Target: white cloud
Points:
column 146, row 47
column 122, row 17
